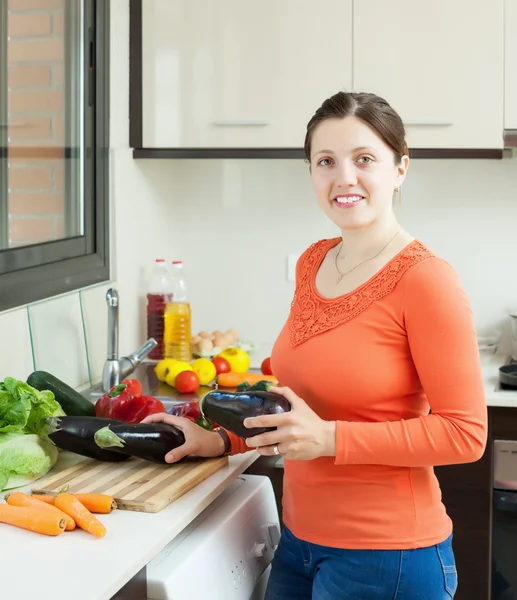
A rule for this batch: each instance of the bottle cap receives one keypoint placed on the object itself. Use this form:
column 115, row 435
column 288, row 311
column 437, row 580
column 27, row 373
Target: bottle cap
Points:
column 177, row 262
column 159, row 260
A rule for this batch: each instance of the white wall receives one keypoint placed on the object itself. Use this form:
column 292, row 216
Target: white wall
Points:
column 233, row 222
column 236, row 221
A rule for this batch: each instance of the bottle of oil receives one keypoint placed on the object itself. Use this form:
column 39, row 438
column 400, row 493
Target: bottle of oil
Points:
column 177, row 332
column 159, row 292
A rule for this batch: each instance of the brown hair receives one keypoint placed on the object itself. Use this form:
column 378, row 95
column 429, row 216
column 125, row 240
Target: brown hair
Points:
column 371, row 109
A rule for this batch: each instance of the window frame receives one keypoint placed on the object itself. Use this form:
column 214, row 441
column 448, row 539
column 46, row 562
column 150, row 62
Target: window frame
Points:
column 40, row 271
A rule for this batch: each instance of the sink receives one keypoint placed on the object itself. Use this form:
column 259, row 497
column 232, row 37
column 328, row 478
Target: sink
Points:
column 151, row 386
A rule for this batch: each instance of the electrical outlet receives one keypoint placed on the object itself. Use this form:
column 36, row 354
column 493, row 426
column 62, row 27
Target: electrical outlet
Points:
column 292, row 259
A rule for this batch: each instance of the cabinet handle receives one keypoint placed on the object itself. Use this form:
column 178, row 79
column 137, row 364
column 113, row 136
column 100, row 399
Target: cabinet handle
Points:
column 429, row 123
column 240, row 123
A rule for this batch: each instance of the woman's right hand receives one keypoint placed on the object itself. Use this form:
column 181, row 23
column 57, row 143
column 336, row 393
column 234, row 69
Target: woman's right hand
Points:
column 198, row 441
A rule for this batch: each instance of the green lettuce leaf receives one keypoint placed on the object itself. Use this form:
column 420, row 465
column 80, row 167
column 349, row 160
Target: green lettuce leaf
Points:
column 14, row 411
column 24, row 458
column 24, row 408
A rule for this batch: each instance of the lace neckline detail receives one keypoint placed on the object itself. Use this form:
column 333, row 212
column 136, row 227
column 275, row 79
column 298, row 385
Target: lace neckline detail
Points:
column 312, row 314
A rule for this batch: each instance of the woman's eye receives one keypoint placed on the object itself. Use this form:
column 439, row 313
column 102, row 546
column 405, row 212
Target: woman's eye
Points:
column 324, row 162
column 365, row 159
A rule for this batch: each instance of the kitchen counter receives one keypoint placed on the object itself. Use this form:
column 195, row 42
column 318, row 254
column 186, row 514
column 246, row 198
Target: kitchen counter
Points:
column 494, row 395
column 79, row 566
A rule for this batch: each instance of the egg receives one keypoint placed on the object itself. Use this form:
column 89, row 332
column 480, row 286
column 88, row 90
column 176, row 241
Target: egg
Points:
column 217, row 333
column 205, row 345
column 196, row 339
column 204, row 334
column 234, row 334
column 222, row 341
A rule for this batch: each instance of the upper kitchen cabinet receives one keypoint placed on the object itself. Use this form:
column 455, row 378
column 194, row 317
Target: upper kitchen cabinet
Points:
column 510, row 99
column 440, row 64
column 237, row 74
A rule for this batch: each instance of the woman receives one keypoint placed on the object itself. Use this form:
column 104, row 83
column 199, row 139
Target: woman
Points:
column 380, row 363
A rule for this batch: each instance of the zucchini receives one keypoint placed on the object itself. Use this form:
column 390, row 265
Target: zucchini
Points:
column 261, row 386
column 71, row 401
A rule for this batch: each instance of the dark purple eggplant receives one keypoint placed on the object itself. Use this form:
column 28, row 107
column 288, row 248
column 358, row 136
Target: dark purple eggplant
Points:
column 150, row 441
column 229, row 409
column 76, row 434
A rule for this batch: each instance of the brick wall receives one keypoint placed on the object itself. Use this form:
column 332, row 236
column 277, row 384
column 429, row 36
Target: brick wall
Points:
column 36, row 117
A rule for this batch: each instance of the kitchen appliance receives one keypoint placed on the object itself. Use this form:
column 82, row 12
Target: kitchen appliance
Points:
column 504, row 521
column 225, row 553
column 135, row 484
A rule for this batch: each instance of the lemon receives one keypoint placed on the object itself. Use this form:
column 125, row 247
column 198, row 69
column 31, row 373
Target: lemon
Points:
column 239, row 359
column 205, row 370
column 175, row 369
column 162, row 368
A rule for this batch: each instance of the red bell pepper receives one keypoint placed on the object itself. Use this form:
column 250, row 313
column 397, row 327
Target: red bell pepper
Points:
column 125, row 402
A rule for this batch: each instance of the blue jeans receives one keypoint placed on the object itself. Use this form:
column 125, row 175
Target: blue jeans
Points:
column 305, row 571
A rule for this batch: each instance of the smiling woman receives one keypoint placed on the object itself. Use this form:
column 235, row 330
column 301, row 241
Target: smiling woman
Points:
column 379, row 362
column 53, row 141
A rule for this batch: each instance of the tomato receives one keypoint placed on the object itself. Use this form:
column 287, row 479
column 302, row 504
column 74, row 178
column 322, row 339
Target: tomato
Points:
column 265, row 367
column 187, row 382
column 221, row 365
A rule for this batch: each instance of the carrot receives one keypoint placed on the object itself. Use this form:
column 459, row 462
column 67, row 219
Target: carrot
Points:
column 38, row 520
column 80, row 514
column 21, row 499
column 97, row 503
column 231, row 380
column 43, row 498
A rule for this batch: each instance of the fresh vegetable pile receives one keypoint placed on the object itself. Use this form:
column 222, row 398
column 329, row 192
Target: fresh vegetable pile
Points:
column 228, row 369
column 52, row 515
column 26, row 454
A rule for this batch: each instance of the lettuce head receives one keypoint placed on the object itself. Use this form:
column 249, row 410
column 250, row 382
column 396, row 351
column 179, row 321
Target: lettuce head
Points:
column 24, row 458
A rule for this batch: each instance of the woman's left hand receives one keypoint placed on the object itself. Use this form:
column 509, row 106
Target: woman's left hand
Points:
column 300, row 433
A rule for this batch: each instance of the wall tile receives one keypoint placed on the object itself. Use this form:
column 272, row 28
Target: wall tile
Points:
column 58, row 339
column 15, row 350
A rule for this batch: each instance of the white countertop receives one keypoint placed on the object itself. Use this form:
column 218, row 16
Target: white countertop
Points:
column 494, row 395
column 77, row 565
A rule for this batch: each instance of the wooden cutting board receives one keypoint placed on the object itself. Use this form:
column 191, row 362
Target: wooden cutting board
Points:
column 135, row 484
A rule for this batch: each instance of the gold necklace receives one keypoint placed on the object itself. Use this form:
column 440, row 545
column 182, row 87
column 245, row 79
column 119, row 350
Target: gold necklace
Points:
column 341, row 275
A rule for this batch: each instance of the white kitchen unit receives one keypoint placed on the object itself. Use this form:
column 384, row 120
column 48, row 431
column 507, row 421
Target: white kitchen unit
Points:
column 228, row 73
column 510, row 65
column 226, row 552
column 439, row 63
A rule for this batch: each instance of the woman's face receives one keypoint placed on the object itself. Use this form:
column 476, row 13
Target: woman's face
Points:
column 353, row 172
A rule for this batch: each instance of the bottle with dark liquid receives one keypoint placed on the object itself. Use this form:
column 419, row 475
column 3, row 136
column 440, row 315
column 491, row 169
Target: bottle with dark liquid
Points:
column 159, row 294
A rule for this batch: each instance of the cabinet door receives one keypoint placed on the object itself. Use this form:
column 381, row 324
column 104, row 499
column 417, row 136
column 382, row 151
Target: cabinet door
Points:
column 234, row 73
column 510, row 100
column 439, row 64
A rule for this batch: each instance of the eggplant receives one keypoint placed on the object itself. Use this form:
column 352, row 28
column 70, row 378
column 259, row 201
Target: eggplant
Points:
column 150, row 441
column 229, row 409
column 76, row 434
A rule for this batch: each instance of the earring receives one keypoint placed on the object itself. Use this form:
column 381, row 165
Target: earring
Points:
column 399, row 194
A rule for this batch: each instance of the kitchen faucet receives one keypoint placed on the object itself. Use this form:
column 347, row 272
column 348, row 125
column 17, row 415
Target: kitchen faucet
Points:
column 116, row 369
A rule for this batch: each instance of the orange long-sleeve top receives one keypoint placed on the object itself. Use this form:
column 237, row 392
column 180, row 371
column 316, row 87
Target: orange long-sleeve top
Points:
column 396, row 364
